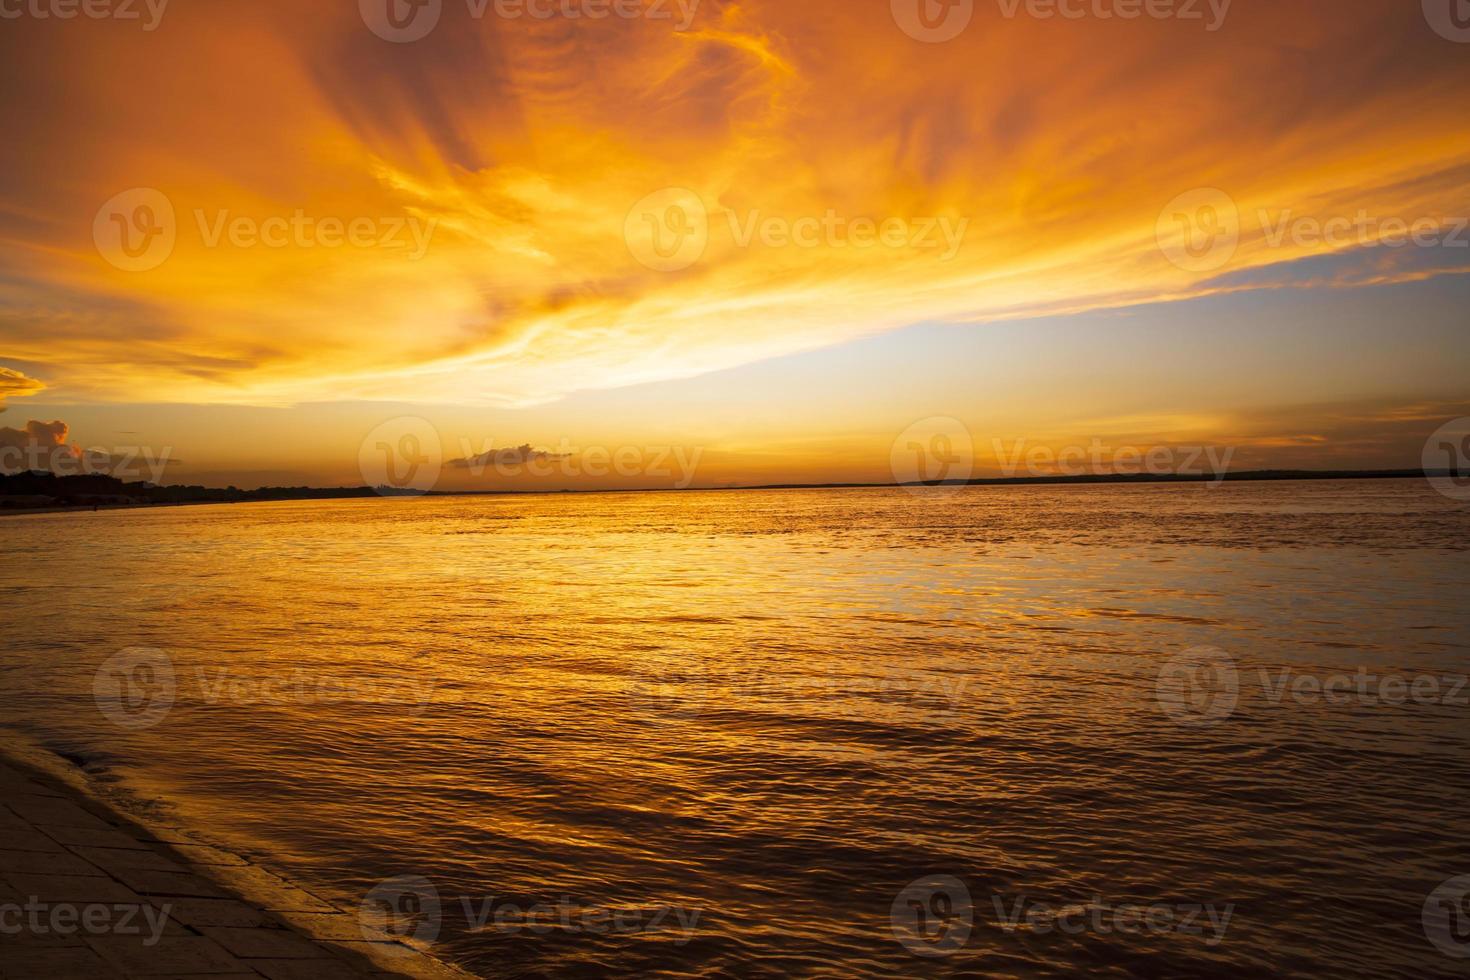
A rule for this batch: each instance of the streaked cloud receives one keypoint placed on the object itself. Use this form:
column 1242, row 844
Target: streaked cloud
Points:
column 524, row 144
column 14, row 384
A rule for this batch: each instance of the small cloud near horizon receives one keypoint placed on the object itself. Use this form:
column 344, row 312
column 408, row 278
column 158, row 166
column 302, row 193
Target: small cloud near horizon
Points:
column 519, row 456
column 43, row 447
column 38, row 442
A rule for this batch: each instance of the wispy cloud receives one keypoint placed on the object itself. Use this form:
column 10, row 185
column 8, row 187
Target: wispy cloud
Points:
column 521, row 149
column 15, row 384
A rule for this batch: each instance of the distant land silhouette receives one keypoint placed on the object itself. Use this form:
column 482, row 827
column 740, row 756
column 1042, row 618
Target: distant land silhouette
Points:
column 41, row 490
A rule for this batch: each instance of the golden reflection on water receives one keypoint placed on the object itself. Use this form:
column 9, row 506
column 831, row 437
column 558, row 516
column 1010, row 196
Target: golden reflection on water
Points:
column 779, row 709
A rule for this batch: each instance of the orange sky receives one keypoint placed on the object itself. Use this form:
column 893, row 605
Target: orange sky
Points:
column 502, row 174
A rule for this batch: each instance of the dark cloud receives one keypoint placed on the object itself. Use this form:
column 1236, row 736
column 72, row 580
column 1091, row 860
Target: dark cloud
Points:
column 39, row 446
column 43, row 447
column 519, row 456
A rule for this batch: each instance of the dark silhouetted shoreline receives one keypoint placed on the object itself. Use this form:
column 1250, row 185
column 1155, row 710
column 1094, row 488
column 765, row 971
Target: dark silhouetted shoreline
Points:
column 36, row 493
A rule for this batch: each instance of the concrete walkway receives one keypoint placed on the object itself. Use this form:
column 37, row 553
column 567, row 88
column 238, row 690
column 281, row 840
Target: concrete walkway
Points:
column 86, row 893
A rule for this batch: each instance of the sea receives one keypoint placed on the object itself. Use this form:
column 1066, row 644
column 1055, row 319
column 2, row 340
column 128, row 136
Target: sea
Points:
column 1044, row 731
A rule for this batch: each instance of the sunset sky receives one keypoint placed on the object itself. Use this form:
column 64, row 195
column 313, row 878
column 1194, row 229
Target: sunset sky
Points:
column 253, row 234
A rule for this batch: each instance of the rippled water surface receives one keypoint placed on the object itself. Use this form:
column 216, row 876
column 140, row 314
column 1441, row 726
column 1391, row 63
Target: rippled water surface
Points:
column 722, row 733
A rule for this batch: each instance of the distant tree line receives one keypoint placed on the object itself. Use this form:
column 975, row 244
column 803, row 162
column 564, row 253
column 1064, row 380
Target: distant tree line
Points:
column 40, row 489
